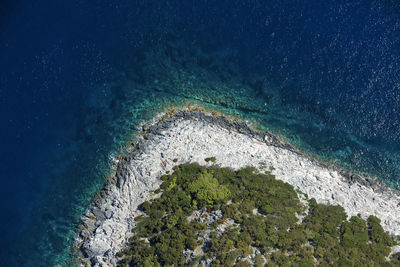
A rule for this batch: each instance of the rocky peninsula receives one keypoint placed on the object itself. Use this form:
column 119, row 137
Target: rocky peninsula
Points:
column 194, row 136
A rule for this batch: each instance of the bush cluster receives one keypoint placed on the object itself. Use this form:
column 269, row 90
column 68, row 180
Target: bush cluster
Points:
column 266, row 229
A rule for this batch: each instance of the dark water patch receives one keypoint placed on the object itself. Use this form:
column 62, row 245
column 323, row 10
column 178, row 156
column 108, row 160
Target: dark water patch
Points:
column 322, row 75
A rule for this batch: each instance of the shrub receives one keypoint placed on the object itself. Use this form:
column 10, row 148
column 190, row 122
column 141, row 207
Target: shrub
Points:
column 212, row 159
column 207, row 189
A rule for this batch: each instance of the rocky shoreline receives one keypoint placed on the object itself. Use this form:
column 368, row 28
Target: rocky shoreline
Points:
column 194, row 136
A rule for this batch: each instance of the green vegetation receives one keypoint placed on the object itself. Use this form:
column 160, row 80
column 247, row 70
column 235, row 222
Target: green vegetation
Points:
column 212, row 159
column 207, row 189
column 261, row 225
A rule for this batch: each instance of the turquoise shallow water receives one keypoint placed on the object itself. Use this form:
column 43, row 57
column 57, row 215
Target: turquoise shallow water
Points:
column 172, row 75
column 324, row 79
column 125, row 101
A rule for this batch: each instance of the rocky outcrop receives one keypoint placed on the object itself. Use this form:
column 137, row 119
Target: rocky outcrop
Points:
column 194, row 136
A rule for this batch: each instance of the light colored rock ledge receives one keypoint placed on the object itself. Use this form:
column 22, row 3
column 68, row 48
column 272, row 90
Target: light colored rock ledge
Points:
column 192, row 137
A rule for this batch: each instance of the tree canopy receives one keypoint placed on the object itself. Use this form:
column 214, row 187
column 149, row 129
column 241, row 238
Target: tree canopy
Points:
column 261, row 223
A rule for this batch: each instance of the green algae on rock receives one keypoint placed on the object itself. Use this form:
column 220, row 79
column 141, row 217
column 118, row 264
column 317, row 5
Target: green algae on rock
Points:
column 254, row 220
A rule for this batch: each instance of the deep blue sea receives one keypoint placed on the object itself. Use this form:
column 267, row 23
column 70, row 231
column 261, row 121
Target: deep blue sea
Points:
column 76, row 78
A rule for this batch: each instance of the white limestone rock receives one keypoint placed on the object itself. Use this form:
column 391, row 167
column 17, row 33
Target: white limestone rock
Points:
column 192, row 137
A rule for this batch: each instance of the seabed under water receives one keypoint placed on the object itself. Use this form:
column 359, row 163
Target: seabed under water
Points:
column 175, row 73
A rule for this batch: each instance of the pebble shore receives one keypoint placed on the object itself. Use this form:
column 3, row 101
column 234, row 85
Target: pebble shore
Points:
column 194, row 136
